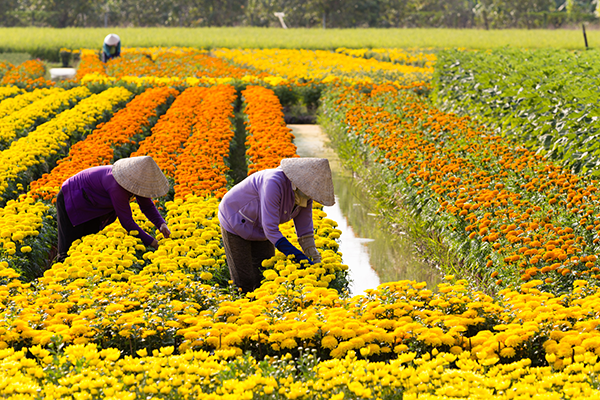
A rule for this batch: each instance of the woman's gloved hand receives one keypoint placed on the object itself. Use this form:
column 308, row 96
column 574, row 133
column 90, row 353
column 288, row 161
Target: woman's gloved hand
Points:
column 284, row 246
column 307, row 242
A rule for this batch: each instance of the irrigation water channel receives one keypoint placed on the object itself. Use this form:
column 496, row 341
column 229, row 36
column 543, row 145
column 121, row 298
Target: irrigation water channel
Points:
column 373, row 254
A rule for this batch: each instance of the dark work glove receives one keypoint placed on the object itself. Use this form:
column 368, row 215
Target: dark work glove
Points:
column 284, row 246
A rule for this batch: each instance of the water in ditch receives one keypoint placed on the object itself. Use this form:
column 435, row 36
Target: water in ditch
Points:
column 373, row 254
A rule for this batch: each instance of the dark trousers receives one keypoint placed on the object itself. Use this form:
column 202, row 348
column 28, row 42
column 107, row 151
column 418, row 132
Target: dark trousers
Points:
column 67, row 233
column 244, row 258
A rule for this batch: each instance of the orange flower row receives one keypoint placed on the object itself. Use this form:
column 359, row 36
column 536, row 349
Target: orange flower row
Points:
column 191, row 141
column 5, row 66
column 89, row 64
column 98, row 147
column 130, row 64
column 29, row 75
column 177, row 63
column 268, row 139
column 173, row 130
column 522, row 216
column 201, row 168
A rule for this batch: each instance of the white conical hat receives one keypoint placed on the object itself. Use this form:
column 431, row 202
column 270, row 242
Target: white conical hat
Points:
column 112, row 39
column 312, row 176
column 140, row 176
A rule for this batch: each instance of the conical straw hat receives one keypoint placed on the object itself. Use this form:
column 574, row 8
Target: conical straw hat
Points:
column 112, row 39
column 141, row 176
column 312, row 176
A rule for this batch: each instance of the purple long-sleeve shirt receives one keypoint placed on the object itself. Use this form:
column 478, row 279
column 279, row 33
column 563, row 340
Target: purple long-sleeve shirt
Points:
column 254, row 208
column 94, row 193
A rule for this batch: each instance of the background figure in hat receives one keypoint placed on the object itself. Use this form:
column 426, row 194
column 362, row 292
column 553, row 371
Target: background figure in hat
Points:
column 97, row 196
column 111, row 47
column 250, row 214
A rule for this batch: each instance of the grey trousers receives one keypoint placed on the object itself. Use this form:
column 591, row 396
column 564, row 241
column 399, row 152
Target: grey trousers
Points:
column 244, row 259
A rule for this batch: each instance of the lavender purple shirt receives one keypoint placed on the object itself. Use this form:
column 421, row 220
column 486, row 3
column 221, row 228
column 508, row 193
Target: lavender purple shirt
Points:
column 254, row 208
column 94, row 193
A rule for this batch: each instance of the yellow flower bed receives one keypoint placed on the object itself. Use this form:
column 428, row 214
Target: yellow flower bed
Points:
column 87, row 372
column 84, row 371
column 18, row 220
column 10, row 105
column 176, row 81
column 9, row 91
column 114, row 265
column 146, row 80
column 97, row 296
column 53, row 102
column 53, row 135
column 320, row 65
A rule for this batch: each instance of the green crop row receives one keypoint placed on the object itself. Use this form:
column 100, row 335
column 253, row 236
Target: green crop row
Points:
column 45, row 43
column 547, row 100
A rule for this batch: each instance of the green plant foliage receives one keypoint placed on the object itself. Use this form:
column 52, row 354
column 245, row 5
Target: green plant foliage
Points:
column 546, row 100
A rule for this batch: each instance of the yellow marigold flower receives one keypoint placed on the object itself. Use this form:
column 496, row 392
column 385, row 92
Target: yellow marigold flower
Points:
column 206, row 276
column 167, row 351
column 142, row 352
column 329, row 342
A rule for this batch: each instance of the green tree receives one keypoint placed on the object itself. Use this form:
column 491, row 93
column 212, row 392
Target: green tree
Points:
column 216, row 12
column 580, row 10
column 7, row 13
column 65, row 13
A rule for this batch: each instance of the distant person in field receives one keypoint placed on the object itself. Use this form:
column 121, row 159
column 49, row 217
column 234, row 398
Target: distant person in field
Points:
column 95, row 197
column 111, row 47
column 250, row 214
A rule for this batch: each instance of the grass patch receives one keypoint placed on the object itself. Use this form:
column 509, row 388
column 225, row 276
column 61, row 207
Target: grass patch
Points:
column 45, row 43
column 15, row 58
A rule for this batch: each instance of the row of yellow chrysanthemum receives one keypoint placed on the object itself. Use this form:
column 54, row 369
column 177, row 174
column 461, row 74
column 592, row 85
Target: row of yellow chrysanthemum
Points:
column 323, row 66
column 83, row 371
column 7, row 92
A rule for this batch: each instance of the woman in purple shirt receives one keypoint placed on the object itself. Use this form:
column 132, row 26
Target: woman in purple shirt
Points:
column 96, row 197
column 250, row 214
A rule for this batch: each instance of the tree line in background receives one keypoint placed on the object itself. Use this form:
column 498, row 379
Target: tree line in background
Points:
column 487, row 14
